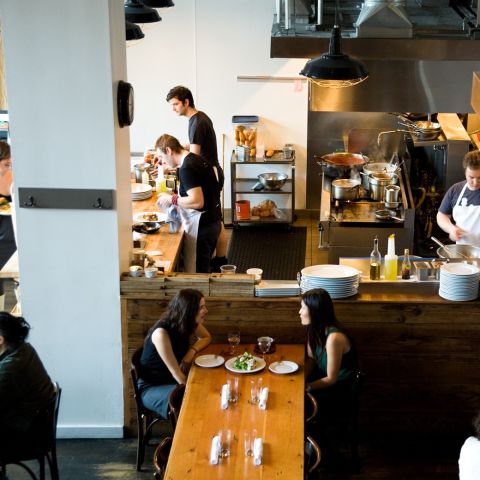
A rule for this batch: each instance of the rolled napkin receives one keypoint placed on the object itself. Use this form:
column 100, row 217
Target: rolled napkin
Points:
column 263, row 397
column 257, row 451
column 225, row 396
column 215, row 450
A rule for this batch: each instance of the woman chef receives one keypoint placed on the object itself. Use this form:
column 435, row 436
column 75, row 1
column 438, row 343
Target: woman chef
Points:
column 459, row 212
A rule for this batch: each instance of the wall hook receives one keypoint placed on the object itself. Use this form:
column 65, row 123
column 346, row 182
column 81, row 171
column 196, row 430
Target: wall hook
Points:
column 98, row 204
column 31, row 202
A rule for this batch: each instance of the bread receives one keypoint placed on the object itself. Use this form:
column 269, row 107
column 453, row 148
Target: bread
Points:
column 264, row 209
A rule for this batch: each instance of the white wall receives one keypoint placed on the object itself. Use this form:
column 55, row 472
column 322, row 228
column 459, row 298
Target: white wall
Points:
column 205, row 45
column 63, row 59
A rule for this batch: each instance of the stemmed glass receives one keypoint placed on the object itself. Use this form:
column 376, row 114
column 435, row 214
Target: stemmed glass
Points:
column 233, row 340
column 264, row 344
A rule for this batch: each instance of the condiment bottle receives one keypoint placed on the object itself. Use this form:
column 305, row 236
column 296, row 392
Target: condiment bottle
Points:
column 161, row 181
column 145, row 177
column 375, row 261
column 406, row 265
column 390, row 270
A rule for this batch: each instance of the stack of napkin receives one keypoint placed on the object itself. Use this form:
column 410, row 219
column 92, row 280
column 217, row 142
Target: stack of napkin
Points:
column 215, row 450
column 263, row 397
column 257, row 451
column 225, row 396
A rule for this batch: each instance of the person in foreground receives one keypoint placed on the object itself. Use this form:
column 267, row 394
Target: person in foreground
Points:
column 469, row 461
column 331, row 362
column 25, row 386
column 170, row 347
column 459, row 212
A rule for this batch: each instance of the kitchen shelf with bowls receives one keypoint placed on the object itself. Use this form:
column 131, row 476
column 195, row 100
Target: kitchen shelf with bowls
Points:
column 250, row 185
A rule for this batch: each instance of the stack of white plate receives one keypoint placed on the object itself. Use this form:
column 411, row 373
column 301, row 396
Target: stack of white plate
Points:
column 459, row 282
column 141, row 191
column 277, row 288
column 340, row 281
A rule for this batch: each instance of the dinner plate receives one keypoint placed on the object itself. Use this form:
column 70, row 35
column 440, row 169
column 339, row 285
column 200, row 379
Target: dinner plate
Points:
column 140, row 217
column 283, row 367
column 260, row 365
column 209, row 361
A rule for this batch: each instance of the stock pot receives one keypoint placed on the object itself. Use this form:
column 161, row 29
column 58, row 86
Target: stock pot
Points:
column 345, row 189
column 378, row 182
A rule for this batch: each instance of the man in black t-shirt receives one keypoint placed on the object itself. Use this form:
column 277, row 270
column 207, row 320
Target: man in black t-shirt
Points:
column 199, row 189
column 203, row 141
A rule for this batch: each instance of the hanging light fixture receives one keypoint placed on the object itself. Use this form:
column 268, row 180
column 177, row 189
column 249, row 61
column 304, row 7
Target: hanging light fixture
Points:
column 158, row 3
column 335, row 69
column 137, row 12
column 133, row 31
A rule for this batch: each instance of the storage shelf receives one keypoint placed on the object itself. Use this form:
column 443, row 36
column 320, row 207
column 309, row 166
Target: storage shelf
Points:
column 287, row 213
column 245, row 185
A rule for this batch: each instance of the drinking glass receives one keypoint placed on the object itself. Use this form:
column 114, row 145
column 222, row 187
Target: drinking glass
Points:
column 233, row 340
column 233, row 388
column 255, row 388
column 248, row 439
column 225, row 437
column 264, row 344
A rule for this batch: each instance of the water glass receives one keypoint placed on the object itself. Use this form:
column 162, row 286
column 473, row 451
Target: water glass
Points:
column 233, row 389
column 230, row 269
column 234, row 340
column 225, row 437
column 264, row 344
column 255, row 389
column 248, row 439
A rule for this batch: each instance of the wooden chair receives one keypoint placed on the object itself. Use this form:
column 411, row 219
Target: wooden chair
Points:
column 160, row 457
column 146, row 419
column 175, row 403
column 41, row 443
column 311, row 408
column 312, row 456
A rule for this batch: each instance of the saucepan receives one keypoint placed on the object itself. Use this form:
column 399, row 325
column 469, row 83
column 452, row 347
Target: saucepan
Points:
column 341, row 164
column 345, row 188
column 387, row 215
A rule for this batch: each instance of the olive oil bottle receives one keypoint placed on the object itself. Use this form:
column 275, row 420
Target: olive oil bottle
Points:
column 375, row 261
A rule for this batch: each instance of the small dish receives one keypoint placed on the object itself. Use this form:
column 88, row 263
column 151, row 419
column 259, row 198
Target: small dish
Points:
column 209, row 361
column 135, row 271
column 147, row 227
column 151, row 272
column 283, row 367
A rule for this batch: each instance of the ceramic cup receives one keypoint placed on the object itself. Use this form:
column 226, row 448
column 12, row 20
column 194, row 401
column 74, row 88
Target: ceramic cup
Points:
column 151, row 272
column 257, row 272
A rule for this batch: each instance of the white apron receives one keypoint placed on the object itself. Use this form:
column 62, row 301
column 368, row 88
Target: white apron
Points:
column 190, row 223
column 468, row 219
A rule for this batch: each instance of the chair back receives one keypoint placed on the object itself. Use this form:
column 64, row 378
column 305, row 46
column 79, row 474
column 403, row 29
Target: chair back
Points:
column 311, row 407
column 175, row 403
column 160, row 457
column 312, row 455
column 135, row 368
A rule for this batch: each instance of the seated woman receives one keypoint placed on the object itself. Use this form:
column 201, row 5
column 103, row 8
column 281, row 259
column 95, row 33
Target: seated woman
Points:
column 170, row 347
column 25, row 386
column 331, row 362
column 469, row 461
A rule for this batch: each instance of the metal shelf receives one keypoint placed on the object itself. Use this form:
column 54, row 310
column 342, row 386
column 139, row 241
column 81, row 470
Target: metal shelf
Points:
column 245, row 185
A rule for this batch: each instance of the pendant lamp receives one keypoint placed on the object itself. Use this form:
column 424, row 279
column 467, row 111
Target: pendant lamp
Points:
column 133, row 31
column 158, row 3
column 137, row 12
column 335, row 69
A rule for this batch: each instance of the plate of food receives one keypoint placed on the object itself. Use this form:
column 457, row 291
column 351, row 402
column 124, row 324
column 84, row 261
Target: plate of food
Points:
column 245, row 363
column 5, row 207
column 283, row 367
column 150, row 217
column 209, row 361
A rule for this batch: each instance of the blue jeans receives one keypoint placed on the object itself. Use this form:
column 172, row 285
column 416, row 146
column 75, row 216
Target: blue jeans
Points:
column 155, row 397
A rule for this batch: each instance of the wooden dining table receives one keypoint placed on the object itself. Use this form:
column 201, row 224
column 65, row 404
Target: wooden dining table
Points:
column 280, row 425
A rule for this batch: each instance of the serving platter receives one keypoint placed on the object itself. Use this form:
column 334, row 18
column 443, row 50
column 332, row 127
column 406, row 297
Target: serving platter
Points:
column 260, row 362
column 209, row 361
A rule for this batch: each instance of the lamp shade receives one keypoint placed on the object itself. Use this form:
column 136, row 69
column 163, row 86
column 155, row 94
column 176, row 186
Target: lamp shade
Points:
column 137, row 12
column 133, row 31
column 158, row 3
column 335, row 69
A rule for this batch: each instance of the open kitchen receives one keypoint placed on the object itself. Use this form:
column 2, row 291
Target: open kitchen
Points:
column 367, row 161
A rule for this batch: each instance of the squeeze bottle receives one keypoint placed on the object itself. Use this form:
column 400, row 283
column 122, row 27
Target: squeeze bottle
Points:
column 390, row 269
column 161, row 181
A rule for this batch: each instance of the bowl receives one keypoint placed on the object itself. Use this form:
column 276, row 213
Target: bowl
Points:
column 273, row 181
column 459, row 251
column 147, row 227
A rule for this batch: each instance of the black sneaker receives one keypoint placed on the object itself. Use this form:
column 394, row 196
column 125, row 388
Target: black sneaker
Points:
column 217, row 262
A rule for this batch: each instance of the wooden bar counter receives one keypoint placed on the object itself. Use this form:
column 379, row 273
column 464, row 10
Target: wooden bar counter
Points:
column 420, row 353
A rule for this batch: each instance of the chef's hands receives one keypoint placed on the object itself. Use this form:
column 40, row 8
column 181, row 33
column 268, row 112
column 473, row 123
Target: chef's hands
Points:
column 456, row 233
column 164, row 201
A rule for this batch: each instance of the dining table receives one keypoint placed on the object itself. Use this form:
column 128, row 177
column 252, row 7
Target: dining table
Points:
column 280, row 424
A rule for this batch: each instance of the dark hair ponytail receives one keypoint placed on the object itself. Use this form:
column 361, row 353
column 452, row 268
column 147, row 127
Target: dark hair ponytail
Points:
column 13, row 329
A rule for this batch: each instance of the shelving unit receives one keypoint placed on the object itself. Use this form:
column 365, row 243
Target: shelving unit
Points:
column 242, row 187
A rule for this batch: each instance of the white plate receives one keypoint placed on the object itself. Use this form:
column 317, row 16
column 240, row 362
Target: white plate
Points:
column 260, row 365
column 139, row 217
column 330, row 271
column 283, row 367
column 209, row 361
column 459, row 269
column 139, row 188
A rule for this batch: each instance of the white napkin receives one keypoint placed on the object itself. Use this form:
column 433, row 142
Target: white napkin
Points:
column 262, row 399
column 215, row 450
column 257, row 451
column 225, row 396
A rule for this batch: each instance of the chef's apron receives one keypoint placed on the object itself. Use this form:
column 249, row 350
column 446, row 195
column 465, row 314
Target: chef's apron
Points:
column 468, row 219
column 190, row 223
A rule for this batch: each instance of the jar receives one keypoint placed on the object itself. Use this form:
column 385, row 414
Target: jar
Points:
column 246, row 133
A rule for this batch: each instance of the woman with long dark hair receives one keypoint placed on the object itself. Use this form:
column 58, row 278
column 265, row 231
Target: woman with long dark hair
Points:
column 170, row 347
column 331, row 354
column 25, row 386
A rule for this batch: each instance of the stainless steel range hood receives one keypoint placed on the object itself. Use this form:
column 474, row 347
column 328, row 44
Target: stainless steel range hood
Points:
column 426, row 66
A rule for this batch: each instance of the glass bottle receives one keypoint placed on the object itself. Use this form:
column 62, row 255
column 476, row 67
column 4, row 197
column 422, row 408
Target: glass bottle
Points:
column 406, row 265
column 375, row 261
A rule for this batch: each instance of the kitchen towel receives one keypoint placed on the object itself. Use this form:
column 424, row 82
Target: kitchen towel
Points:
column 225, row 397
column 257, row 451
column 215, row 450
column 262, row 400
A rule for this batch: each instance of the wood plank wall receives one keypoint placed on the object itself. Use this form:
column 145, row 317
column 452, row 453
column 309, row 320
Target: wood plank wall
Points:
column 420, row 355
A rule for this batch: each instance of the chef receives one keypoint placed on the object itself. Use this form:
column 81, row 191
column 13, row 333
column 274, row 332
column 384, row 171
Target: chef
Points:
column 199, row 197
column 459, row 212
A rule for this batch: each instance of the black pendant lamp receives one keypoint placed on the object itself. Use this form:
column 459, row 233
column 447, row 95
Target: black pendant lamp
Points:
column 137, row 12
column 133, row 31
column 335, row 69
column 158, row 3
